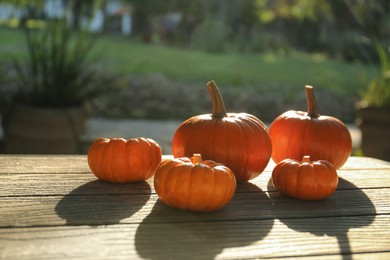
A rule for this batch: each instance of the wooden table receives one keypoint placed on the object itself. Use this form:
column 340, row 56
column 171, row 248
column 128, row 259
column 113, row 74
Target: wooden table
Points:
column 53, row 207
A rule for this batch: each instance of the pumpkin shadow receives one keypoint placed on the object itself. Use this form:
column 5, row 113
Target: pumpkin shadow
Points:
column 176, row 234
column 330, row 216
column 98, row 202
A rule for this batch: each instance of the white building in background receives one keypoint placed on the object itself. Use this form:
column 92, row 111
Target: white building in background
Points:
column 95, row 23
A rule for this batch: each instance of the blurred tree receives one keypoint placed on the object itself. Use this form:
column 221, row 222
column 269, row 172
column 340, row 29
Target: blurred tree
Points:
column 36, row 9
column 372, row 15
column 24, row 2
column 367, row 19
column 78, row 8
column 337, row 27
column 144, row 11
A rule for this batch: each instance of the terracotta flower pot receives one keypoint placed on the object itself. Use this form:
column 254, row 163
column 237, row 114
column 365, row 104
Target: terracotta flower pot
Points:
column 33, row 130
column 374, row 123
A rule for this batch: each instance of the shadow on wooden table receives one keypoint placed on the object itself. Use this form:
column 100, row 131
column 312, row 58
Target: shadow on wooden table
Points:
column 98, row 202
column 176, row 234
column 347, row 208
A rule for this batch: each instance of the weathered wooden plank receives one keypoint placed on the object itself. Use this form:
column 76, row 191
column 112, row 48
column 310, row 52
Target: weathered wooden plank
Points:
column 78, row 164
column 43, row 164
column 61, row 184
column 354, row 162
column 36, row 184
column 326, row 238
column 107, row 221
column 359, row 256
column 113, row 209
column 59, row 164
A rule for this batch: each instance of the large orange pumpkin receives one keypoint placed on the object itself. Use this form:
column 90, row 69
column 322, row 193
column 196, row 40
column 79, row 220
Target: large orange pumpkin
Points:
column 194, row 185
column 121, row 161
column 238, row 140
column 306, row 179
column 296, row 133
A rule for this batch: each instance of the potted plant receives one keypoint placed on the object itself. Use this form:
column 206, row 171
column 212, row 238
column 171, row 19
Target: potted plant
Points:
column 48, row 111
column 374, row 110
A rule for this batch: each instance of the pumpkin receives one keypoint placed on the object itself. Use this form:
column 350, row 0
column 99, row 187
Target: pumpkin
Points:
column 238, row 140
column 122, row 161
column 297, row 133
column 306, row 179
column 193, row 184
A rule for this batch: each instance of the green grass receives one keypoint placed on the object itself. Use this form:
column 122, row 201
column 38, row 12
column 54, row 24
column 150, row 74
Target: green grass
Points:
column 297, row 69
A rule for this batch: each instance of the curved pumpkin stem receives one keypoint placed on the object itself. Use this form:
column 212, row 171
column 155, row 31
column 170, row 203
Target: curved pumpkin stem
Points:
column 197, row 158
column 218, row 107
column 312, row 109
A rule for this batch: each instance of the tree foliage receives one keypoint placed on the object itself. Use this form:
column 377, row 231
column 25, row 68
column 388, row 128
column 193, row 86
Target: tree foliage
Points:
column 339, row 28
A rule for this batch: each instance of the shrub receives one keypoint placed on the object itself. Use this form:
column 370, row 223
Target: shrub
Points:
column 212, row 36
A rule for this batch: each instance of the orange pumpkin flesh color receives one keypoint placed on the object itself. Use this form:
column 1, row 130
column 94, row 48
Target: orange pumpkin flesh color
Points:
column 194, row 185
column 122, row 161
column 307, row 180
column 238, row 140
column 296, row 133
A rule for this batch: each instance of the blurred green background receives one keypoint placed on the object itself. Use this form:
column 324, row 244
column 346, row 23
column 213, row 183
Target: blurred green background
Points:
column 261, row 53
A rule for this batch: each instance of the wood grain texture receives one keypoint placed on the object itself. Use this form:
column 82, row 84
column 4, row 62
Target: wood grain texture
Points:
column 109, row 209
column 202, row 240
column 60, row 164
column 46, row 164
column 40, row 184
column 53, row 207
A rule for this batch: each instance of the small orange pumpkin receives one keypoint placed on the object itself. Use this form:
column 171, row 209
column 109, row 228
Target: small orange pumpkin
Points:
column 238, row 140
column 121, row 161
column 297, row 133
column 194, row 185
column 307, row 180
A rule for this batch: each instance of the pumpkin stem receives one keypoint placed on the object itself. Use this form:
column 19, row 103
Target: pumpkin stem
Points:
column 312, row 109
column 218, row 107
column 306, row 158
column 197, row 158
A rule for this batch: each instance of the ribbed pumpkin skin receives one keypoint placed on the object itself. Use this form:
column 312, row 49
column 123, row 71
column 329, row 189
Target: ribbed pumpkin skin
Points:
column 123, row 161
column 194, row 186
column 240, row 141
column 295, row 134
column 307, row 180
